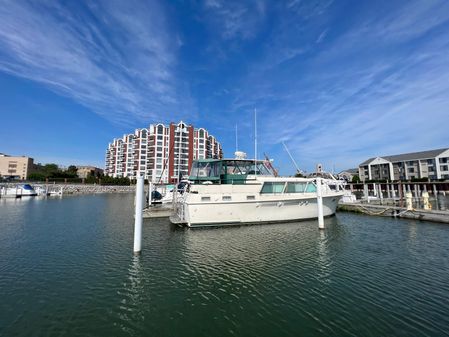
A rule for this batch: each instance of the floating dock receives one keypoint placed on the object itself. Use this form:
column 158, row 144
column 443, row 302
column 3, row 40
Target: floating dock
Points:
column 397, row 212
column 158, row 211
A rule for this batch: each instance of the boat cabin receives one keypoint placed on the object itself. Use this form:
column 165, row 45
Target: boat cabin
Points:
column 227, row 171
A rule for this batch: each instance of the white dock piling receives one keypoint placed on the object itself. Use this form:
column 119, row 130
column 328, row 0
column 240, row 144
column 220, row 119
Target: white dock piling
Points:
column 381, row 196
column 319, row 202
column 150, row 193
column 425, row 199
column 408, row 201
column 393, row 191
column 138, row 217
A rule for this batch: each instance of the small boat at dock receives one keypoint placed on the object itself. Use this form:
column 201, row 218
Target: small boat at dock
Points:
column 21, row 190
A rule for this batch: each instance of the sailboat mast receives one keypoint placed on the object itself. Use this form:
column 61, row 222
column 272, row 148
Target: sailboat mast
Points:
column 255, row 141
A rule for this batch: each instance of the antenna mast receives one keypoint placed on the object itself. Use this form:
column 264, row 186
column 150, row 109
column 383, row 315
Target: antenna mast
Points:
column 291, row 157
column 236, row 140
column 255, row 142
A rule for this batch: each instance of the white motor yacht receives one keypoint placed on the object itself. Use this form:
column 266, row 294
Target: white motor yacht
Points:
column 241, row 191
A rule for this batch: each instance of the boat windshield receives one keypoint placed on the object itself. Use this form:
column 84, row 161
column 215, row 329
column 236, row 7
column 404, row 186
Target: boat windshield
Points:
column 245, row 167
column 226, row 171
column 205, row 169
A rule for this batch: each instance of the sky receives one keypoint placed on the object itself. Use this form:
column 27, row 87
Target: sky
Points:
column 336, row 81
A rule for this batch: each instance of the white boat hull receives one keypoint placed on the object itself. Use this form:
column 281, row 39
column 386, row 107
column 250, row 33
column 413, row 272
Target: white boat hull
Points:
column 249, row 212
column 18, row 192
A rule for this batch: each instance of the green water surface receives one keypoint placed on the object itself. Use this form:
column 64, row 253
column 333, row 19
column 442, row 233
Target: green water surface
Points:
column 67, row 269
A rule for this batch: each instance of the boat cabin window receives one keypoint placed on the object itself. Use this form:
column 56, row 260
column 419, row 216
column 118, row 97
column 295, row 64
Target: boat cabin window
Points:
column 295, row 187
column 205, row 169
column 300, row 187
column 250, row 197
column 311, row 188
column 270, row 187
column 205, row 198
column 226, row 198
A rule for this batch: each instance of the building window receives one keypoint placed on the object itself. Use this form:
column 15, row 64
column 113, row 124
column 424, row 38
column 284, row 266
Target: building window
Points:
column 411, row 170
column 443, row 167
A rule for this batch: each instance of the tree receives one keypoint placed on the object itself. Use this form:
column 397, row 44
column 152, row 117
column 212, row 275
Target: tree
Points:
column 355, row 179
column 72, row 169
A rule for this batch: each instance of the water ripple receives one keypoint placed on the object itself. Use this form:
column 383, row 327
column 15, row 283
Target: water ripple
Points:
column 67, row 269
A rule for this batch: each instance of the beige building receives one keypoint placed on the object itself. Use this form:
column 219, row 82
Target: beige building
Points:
column 84, row 171
column 15, row 167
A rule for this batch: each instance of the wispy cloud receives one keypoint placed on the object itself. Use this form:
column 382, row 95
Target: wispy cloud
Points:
column 116, row 58
column 235, row 19
column 377, row 87
column 321, row 36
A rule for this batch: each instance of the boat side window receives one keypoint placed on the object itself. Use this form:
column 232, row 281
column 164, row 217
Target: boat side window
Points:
column 270, row 187
column 205, row 198
column 311, row 188
column 226, row 198
column 250, row 197
column 296, row 187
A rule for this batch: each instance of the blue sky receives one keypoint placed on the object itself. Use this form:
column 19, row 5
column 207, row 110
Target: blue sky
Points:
column 337, row 81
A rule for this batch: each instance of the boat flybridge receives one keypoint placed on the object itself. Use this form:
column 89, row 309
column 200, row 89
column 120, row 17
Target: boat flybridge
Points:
column 243, row 191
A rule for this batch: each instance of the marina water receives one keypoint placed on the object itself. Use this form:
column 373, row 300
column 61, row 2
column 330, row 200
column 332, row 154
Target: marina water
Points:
column 67, row 268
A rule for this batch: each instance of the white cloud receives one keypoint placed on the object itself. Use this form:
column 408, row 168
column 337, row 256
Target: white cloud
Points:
column 235, row 19
column 365, row 94
column 116, row 58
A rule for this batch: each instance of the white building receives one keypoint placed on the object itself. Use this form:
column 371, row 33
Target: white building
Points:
column 160, row 153
column 432, row 164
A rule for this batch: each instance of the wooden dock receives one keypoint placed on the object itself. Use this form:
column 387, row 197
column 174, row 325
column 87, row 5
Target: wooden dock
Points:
column 395, row 211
